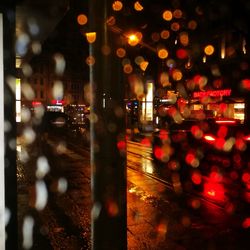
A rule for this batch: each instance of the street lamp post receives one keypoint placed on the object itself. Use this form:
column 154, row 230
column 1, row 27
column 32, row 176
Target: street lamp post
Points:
column 108, row 149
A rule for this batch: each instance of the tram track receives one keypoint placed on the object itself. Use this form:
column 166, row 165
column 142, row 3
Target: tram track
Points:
column 161, row 180
column 135, row 165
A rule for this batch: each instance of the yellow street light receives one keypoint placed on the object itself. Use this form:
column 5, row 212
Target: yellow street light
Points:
column 91, row 37
column 134, row 39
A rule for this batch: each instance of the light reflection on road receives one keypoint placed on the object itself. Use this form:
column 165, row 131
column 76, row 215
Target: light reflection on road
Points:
column 140, row 156
column 147, row 166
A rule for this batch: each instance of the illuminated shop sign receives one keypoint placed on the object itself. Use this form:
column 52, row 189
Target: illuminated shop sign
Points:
column 58, row 102
column 212, row 93
column 35, row 103
column 147, row 103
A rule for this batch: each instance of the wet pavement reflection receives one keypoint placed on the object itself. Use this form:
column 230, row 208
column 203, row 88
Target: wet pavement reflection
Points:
column 193, row 219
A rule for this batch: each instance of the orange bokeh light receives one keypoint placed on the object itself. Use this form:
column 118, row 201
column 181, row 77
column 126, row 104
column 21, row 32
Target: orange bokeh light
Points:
column 91, row 37
column 120, row 52
column 138, row 6
column 82, row 19
column 184, row 38
column 209, row 50
column 192, row 25
column 117, row 5
column 177, row 75
column 165, row 34
column 127, row 68
column 162, row 53
column 177, row 13
column 155, row 36
column 167, row 15
column 175, row 26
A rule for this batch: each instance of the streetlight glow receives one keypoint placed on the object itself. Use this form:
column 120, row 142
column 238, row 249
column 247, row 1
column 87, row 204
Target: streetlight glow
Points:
column 134, row 39
column 91, row 37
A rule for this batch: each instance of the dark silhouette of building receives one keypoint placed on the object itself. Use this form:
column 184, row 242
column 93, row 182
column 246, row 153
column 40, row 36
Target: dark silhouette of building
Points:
column 59, row 71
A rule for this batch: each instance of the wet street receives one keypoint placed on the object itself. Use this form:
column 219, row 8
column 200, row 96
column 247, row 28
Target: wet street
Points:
column 179, row 220
column 159, row 215
column 125, row 125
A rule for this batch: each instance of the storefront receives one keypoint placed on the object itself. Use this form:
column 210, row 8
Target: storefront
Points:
column 217, row 104
column 56, row 106
column 146, row 112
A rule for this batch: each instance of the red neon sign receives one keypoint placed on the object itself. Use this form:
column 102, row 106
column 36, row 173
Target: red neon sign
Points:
column 35, row 103
column 58, row 102
column 225, row 121
column 212, row 93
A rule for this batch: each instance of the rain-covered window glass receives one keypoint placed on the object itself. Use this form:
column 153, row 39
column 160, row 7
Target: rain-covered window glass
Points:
column 132, row 124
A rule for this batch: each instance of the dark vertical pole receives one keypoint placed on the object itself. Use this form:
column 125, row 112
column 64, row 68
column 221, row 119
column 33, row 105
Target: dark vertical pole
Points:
column 8, row 11
column 108, row 154
column 247, row 110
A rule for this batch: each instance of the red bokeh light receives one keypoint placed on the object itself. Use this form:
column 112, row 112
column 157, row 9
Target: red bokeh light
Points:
column 226, row 163
column 121, row 145
column 196, row 131
column 158, row 152
column 146, row 142
column 246, row 223
column 112, row 208
column 181, row 53
column 222, row 132
column 197, row 79
column 163, row 134
column 234, row 175
column 240, row 144
column 217, row 83
column 246, row 196
column 196, row 178
column 223, row 107
column 246, row 177
column 219, row 143
column 172, row 111
column 246, row 84
column 237, row 160
column 215, row 177
column 190, row 157
column 214, row 190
